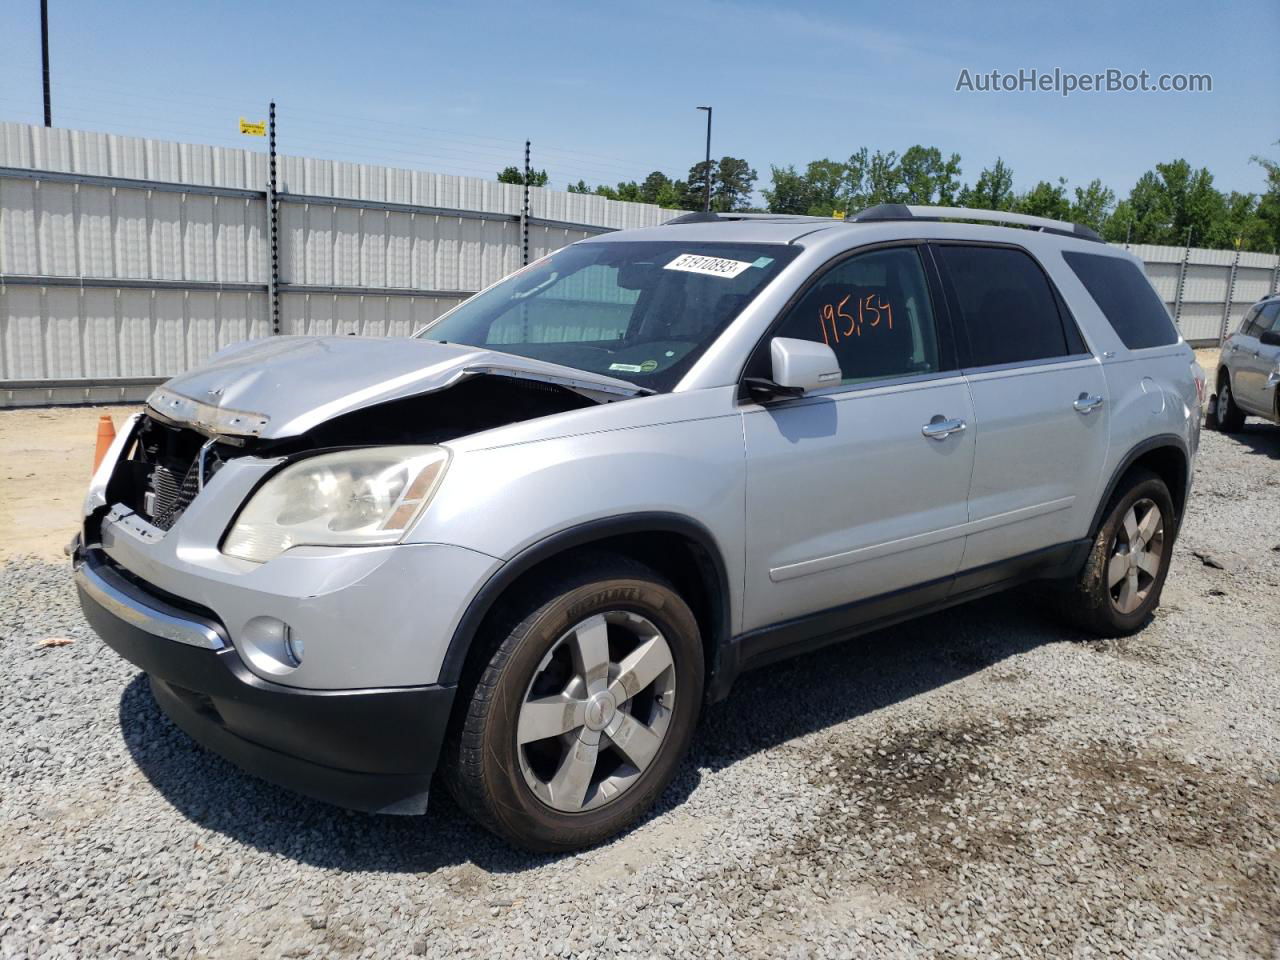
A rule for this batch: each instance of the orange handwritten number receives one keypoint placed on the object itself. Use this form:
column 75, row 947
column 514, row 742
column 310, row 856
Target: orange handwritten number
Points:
column 844, row 316
column 870, row 310
column 828, row 314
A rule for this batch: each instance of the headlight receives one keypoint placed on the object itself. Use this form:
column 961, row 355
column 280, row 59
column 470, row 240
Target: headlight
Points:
column 352, row 498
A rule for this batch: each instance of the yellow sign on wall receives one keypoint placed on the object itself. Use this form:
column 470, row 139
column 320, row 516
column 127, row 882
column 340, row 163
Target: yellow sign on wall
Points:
column 837, row 214
column 252, row 129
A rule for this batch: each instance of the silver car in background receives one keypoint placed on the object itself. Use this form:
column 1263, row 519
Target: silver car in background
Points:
column 526, row 546
column 1249, row 370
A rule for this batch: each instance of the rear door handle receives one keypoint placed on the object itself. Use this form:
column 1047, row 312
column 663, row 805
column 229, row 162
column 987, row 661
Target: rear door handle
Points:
column 1087, row 403
column 939, row 428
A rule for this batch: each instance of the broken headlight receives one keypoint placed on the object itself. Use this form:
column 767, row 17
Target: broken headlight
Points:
column 352, row 498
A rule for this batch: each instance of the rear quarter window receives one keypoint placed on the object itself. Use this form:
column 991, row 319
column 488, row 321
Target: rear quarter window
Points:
column 1126, row 299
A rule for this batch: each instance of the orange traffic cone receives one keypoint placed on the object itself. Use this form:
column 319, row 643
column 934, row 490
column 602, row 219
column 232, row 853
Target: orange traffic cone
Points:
column 106, row 435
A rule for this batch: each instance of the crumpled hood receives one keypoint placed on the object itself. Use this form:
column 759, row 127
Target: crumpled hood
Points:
column 284, row 386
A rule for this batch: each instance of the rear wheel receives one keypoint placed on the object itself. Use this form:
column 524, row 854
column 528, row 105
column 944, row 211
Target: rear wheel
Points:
column 1120, row 585
column 581, row 715
column 1224, row 415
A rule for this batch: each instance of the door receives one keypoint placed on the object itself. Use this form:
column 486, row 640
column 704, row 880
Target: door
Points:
column 1252, row 361
column 1039, row 399
column 848, row 497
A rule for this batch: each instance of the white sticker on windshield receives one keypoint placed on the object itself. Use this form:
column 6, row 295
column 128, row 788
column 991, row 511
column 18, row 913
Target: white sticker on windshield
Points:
column 707, row 266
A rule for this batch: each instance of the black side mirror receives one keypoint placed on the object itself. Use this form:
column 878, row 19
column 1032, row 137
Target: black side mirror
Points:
column 1270, row 338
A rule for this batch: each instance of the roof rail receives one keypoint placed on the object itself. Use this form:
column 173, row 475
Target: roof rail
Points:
column 904, row 211
column 703, row 216
column 698, row 216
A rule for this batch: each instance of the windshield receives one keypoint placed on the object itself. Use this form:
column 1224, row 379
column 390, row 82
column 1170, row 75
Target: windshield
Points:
column 641, row 311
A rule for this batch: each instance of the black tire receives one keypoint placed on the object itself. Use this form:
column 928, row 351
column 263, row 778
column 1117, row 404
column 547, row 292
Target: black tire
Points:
column 1091, row 604
column 1224, row 415
column 483, row 762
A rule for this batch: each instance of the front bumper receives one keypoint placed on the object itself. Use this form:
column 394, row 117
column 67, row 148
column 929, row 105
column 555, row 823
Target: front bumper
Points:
column 367, row 749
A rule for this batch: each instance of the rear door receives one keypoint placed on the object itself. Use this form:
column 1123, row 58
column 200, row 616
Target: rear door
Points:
column 847, row 496
column 1254, row 360
column 1040, row 404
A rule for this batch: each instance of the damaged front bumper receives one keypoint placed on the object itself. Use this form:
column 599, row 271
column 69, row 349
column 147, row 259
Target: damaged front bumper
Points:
column 365, row 749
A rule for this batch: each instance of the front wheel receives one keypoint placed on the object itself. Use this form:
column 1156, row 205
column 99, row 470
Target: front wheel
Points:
column 1121, row 582
column 585, row 708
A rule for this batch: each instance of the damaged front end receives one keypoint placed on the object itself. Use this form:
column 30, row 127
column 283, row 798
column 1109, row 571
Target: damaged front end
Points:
column 178, row 444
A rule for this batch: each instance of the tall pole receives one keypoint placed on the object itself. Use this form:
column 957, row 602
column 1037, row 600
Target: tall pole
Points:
column 524, row 216
column 44, row 54
column 273, row 219
column 706, row 169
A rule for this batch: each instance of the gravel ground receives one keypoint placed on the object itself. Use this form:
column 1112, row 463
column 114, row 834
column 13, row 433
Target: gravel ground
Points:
column 978, row 783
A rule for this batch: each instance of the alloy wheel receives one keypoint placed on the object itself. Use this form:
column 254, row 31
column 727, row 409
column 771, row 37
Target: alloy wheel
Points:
column 596, row 712
column 1136, row 556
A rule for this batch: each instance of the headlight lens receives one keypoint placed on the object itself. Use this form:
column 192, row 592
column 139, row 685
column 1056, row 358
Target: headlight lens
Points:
column 352, row 498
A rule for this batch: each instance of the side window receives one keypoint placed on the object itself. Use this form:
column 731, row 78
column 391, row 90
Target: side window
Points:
column 1125, row 298
column 1248, row 326
column 874, row 311
column 1005, row 305
column 1260, row 319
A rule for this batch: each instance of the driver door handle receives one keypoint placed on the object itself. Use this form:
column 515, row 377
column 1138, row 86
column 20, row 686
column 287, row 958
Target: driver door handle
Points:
column 1087, row 403
column 940, row 428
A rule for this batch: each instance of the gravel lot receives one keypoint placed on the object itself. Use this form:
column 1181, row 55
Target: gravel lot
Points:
column 978, row 783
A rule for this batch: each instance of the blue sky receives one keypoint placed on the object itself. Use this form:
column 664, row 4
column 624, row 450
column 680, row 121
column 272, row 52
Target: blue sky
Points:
column 607, row 91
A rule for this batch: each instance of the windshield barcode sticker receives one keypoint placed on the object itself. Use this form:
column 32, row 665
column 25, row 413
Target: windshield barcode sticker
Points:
column 708, row 266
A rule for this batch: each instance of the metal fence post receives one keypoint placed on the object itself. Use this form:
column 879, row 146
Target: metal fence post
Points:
column 1231, row 292
column 524, row 216
column 1182, row 279
column 273, row 223
column 1275, row 273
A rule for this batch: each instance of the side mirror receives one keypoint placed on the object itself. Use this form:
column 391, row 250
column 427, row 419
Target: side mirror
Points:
column 803, row 365
column 1270, row 338
column 798, row 366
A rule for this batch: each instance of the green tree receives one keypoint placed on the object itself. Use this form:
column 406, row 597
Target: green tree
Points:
column 992, row 191
column 677, row 196
column 1092, row 205
column 653, row 186
column 732, row 180
column 791, row 191
column 1262, row 232
column 874, row 178
column 1170, row 204
column 828, row 187
column 735, row 179
column 1046, row 199
column 699, row 175
column 513, row 174
column 928, row 178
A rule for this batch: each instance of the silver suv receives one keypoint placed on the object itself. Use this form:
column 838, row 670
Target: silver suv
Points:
column 1249, row 370
column 526, row 546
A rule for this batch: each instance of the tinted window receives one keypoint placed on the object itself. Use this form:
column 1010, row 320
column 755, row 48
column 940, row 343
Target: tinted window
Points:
column 1269, row 318
column 1248, row 326
column 1006, row 306
column 874, row 311
column 1122, row 293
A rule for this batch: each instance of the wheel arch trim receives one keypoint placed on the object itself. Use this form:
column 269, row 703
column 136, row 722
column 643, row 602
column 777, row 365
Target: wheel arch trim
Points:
column 581, row 535
column 1158, row 442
